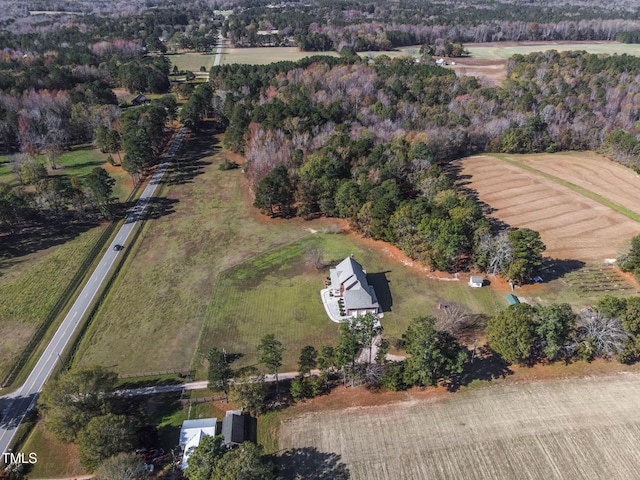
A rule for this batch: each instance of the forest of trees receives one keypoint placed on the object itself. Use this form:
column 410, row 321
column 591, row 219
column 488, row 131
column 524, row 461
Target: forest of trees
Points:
column 371, row 142
column 363, row 25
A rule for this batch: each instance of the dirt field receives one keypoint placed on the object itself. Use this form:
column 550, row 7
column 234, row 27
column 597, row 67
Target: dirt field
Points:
column 490, row 72
column 593, row 172
column 571, row 225
column 566, row 429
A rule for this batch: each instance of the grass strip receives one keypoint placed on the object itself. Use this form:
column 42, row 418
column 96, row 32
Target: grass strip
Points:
column 582, row 191
column 59, row 306
column 71, row 351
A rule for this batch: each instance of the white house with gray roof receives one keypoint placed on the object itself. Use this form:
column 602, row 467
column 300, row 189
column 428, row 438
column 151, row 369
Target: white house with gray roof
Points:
column 349, row 282
column 192, row 432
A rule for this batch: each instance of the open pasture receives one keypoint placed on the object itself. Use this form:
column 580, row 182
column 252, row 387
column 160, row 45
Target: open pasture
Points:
column 502, row 50
column 202, row 224
column 191, row 62
column 277, row 293
column 572, row 225
column 565, row 429
column 265, row 55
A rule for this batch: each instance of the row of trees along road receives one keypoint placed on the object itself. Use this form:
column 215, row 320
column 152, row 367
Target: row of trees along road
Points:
column 435, row 356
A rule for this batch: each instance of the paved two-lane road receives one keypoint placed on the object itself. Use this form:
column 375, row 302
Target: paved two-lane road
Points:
column 16, row 405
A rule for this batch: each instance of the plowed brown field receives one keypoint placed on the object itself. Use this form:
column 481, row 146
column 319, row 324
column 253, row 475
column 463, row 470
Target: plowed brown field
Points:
column 593, row 172
column 570, row 429
column 571, row 225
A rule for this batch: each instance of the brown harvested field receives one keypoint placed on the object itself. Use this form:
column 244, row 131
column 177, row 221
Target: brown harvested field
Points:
column 489, row 71
column 591, row 171
column 567, row 429
column 571, row 225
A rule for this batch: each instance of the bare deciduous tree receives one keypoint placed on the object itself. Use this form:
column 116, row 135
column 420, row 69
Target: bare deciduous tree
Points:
column 453, row 318
column 497, row 252
column 372, row 374
column 597, row 335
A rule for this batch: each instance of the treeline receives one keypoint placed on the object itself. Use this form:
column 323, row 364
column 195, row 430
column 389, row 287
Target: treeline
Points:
column 105, row 65
column 525, row 334
column 152, row 27
column 53, row 199
column 343, row 138
column 365, row 26
column 368, row 141
column 59, row 199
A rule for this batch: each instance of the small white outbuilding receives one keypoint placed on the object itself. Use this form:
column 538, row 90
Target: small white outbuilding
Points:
column 475, row 281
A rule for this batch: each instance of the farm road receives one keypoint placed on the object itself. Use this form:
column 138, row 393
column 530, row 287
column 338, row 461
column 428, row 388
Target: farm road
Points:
column 15, row 406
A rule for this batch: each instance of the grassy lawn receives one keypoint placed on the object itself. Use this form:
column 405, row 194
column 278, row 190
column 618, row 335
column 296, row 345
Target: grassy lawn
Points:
column 203, row 224
column 78, row 161
column 265, row 55
column 276, row 293
column 33, row 270
column 192, row 61
column 55, row 459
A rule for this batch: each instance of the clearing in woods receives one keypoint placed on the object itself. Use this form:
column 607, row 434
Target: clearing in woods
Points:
column 192, row 61
column 266, row 55
column 564, row 429
column 576, row 201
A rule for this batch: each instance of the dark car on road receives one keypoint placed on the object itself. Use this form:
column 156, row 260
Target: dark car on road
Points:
column 117, row 247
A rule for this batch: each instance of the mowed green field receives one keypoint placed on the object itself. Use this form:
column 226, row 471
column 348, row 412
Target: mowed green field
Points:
column 152, row 317
column 278, row 293
column 265, row 55
column 37, row 264
column 498, row 51
column 585, row 428
column 192, row 61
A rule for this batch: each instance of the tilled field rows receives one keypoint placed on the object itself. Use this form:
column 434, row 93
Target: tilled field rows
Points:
column 573, row 429
column 571, row 225
column 593, row 172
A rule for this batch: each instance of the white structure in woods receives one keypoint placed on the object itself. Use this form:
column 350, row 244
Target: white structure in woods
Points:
column 192, row 432
column 349, row 282
column 475, row 281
